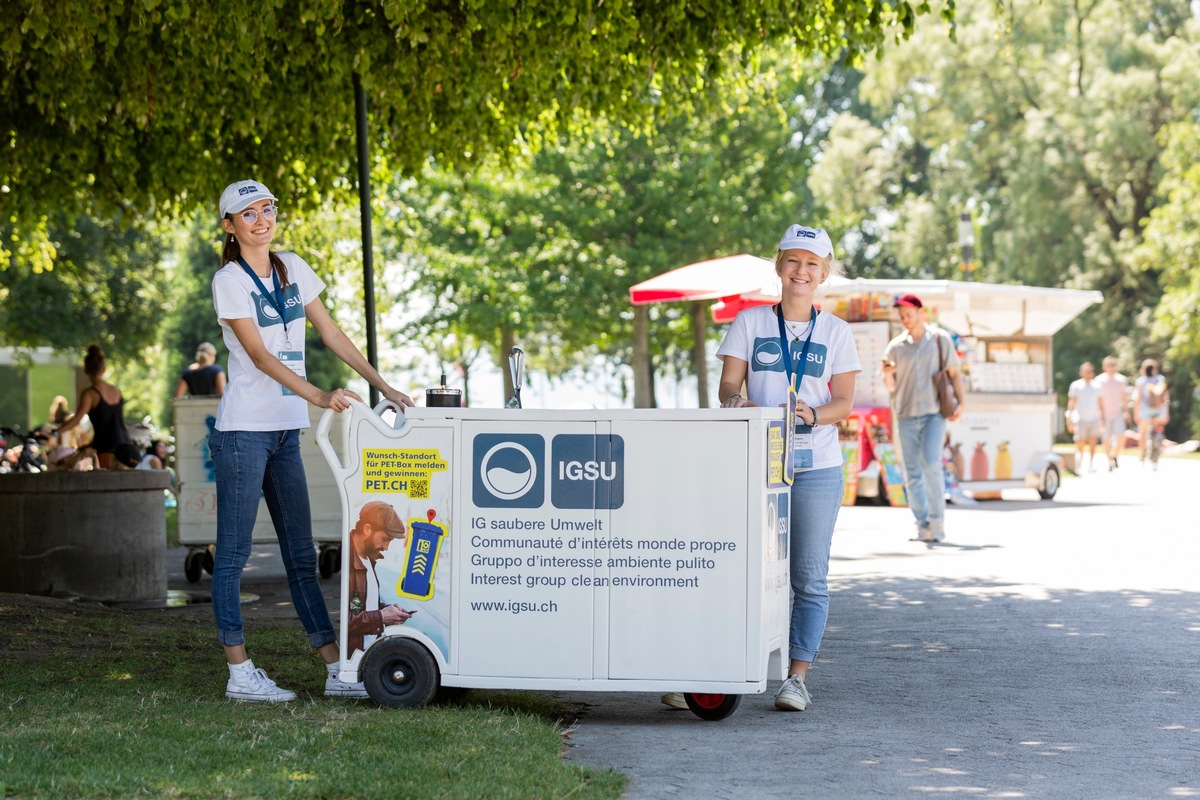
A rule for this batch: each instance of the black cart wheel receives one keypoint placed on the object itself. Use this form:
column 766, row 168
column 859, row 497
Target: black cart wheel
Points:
column 1050, row 482
column 193, row 565
column 399, row 672
column 712, row 707
column 208, row 558
column 329, row 561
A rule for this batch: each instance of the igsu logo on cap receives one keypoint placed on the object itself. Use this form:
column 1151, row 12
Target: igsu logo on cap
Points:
column 245, row 190
column 508, row 470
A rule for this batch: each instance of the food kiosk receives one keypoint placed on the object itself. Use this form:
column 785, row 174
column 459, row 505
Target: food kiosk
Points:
column 1004, row 338
column 610, row 550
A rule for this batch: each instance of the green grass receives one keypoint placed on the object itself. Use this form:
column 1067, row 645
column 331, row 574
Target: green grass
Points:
column 101, row 703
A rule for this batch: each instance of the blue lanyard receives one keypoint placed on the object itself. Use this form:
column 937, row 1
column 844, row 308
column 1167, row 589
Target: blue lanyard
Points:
column 787, row 350
column 275, row 298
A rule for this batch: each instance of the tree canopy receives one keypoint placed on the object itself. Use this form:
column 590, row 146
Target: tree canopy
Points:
column 147, row 106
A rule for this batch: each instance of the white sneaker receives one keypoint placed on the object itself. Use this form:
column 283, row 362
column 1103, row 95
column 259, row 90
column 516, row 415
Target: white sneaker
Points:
column 336, row 687
column 793, row 695
column 674, row 700
column 254, row 686
column 937, row 530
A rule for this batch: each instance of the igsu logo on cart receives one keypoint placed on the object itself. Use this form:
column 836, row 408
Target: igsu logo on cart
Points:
column 508, row 470
column 587, row 471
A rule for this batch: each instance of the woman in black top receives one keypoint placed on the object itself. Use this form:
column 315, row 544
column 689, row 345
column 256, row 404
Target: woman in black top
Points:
column 103, row 404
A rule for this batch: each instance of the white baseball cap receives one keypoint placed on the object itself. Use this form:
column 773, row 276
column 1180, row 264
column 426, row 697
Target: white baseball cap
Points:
column 814, row 240
column 240, row 194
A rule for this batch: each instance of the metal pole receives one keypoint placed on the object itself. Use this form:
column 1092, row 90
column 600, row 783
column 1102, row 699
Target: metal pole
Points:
column 364, row 207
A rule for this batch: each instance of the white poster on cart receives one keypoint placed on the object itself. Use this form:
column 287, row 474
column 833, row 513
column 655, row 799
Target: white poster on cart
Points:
column 400, row 542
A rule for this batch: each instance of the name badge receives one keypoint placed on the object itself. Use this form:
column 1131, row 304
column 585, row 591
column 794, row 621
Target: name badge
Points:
column 293, row 360
column 804, row 446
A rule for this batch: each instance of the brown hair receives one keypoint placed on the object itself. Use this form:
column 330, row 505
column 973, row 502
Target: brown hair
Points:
column 232, row 251
column 93, row 362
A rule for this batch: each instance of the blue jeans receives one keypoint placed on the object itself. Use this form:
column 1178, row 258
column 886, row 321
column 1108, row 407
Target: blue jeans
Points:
column 816, row 501
column 922, row 441
column 250, row 464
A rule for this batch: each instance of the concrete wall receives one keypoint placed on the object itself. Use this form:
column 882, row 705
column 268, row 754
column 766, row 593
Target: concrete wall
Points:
column 98, row 535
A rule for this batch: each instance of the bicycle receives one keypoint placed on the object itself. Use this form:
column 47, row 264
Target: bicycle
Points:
column 21, row 452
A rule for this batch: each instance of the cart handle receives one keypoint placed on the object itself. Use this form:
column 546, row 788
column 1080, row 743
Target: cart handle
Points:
column 340, row 470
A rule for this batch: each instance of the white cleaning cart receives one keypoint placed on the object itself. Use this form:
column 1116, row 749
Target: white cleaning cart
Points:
column 626, row 550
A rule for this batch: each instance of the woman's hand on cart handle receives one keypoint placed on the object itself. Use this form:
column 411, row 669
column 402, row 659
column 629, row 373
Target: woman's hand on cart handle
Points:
column 737, row 401
column 337, row 400
column 399, row 398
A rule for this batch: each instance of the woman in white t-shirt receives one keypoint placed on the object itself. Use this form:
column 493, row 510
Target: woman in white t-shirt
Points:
column 767, row 348
column 1151, row 404
column 263, row 301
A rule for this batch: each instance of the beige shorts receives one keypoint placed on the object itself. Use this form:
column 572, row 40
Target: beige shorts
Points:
column 1087, row 430
column 1114, row 426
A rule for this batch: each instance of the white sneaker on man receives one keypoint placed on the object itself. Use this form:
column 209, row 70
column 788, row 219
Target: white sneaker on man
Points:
column 251, row 685
column 937, row 530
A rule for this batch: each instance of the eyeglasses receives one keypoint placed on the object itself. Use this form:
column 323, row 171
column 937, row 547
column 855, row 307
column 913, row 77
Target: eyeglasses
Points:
column 250, row 215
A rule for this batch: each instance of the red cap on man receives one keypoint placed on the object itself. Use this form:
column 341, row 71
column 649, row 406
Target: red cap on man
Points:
column 908, row 300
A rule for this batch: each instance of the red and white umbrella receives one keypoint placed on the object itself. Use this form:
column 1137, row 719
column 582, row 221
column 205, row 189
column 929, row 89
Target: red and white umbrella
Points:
column 738, row 282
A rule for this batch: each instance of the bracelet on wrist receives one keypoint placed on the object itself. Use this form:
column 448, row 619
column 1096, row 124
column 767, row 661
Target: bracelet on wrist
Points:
column 730, row 397
column 816, row 416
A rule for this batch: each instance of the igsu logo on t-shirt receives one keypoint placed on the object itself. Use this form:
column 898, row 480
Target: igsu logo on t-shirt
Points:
column 768, row 356
column 293, row 307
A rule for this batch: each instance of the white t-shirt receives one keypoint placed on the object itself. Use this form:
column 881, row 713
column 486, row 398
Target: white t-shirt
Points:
column 754, row 338
column 254, row 401
column 1087, row 399
column 1114, row 391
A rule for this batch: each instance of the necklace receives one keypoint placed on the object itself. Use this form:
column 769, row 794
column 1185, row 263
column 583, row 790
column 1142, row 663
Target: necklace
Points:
column 797, row 332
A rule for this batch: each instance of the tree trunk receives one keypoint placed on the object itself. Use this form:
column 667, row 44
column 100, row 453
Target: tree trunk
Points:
column 700, row 351
column 508, row 338
column 643, row 390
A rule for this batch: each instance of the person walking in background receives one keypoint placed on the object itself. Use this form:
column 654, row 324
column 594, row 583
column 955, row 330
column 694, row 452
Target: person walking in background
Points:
column 820, row 364
column 263, row 300
column 103, row 404
column 204, row 378
column 1114, row 410
column 1151, row 405
column 1084, row 415
column 909, row 363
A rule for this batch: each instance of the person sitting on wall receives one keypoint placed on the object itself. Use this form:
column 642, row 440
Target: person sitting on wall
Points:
column 204, row 378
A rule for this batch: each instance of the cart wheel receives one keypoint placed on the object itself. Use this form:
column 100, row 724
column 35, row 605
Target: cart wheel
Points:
column 1050, row 482
column 208, row 558
column 399, row 672
column 193, row 565
column 712, row 707
column 329, row 561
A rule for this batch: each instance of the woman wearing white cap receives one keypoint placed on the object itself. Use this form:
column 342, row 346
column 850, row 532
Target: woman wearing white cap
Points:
column 263, row 300
column 773, row 349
